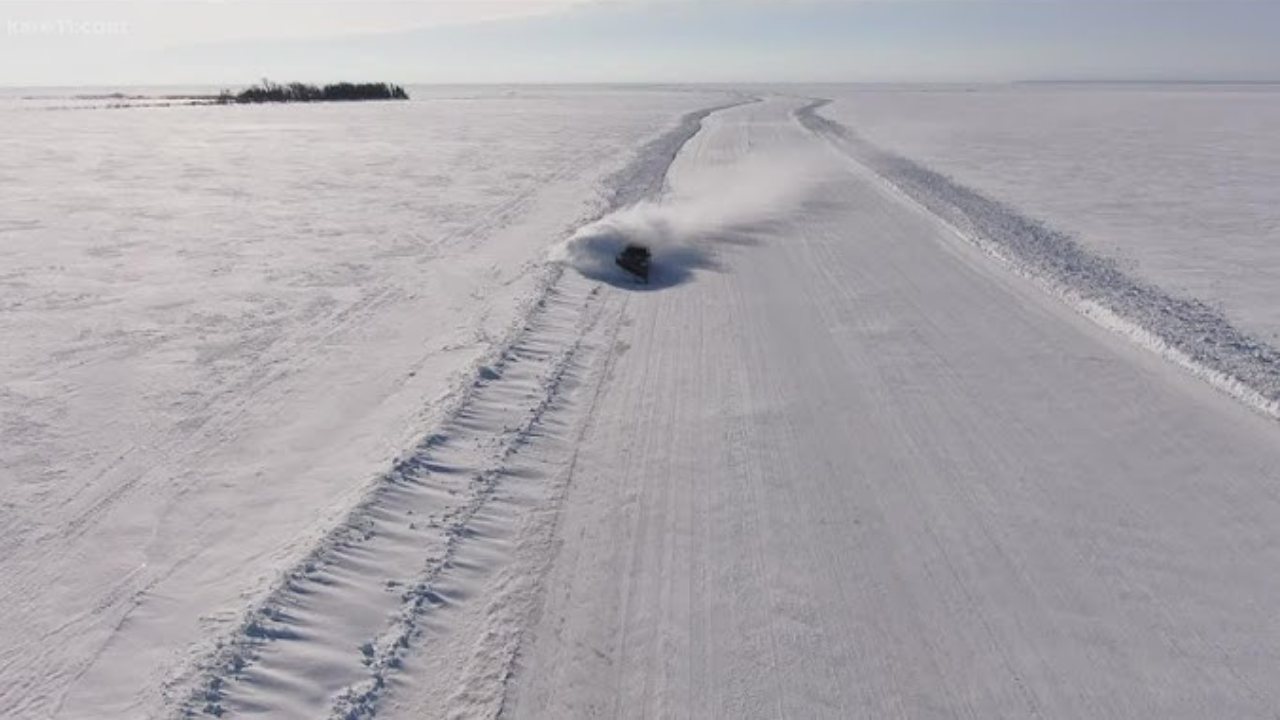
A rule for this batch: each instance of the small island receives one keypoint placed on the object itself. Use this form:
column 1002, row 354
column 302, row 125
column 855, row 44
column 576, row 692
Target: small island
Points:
column 268, row 91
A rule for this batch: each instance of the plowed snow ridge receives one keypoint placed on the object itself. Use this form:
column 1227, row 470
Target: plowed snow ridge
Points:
column 1185, row 330
column 860, row 470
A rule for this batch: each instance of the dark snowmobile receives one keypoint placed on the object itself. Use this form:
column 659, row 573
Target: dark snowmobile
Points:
column 635, row 260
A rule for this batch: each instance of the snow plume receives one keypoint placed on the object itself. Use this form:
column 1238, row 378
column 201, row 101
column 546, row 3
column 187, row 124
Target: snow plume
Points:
column 726, row 204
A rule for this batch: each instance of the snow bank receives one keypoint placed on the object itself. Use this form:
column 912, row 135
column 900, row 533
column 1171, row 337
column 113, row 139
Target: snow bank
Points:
column 726, row 204
column 350, row 654
column 1186, row 331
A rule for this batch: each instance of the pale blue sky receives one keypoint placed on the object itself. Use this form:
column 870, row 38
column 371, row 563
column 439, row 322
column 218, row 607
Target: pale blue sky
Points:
column 236, row 41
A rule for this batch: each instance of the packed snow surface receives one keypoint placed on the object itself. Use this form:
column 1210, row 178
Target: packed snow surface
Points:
column 342, row 411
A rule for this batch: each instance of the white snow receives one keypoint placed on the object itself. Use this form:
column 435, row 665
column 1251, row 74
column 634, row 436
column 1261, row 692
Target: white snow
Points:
column 1187, row 330
column 222, row 323
column 342, row 411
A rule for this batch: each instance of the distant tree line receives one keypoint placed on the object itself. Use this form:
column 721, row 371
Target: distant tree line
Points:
column 268, row 91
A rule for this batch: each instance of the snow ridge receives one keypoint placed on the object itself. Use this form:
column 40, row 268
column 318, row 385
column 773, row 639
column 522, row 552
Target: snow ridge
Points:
column 1186, row 331
column 346, row 612
column 645, row 176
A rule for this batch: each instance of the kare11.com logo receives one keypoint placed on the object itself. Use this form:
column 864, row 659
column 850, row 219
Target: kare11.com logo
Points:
column 65, row 27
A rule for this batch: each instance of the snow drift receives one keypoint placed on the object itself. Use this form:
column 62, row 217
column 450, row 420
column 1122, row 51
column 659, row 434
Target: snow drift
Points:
column 728, row 204
column 1185, row 330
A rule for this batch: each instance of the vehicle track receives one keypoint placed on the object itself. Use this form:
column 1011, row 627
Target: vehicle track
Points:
column 304, row 648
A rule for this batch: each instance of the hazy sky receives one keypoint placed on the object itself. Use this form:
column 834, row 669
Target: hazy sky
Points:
column 51, row 42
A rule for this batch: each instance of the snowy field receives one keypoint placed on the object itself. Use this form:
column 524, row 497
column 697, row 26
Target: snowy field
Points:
column 220, row 323
column 344, row 410
column 1179, row 183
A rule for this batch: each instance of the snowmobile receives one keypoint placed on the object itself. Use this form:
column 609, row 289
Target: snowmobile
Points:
column 635, row 260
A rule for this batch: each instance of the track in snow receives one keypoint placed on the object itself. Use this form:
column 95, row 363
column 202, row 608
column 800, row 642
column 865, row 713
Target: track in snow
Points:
column 423, row 543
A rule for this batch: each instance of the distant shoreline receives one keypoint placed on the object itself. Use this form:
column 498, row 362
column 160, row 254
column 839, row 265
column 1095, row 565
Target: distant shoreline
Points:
column 270, row 92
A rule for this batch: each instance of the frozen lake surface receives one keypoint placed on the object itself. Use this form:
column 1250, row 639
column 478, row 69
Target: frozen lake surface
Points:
column 344, row 410
column 220, row 322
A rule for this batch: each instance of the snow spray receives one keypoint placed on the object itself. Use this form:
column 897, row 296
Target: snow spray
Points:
column 704, row 206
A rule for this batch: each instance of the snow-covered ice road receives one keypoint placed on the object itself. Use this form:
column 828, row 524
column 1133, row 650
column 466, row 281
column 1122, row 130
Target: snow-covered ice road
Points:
column 860, row 470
